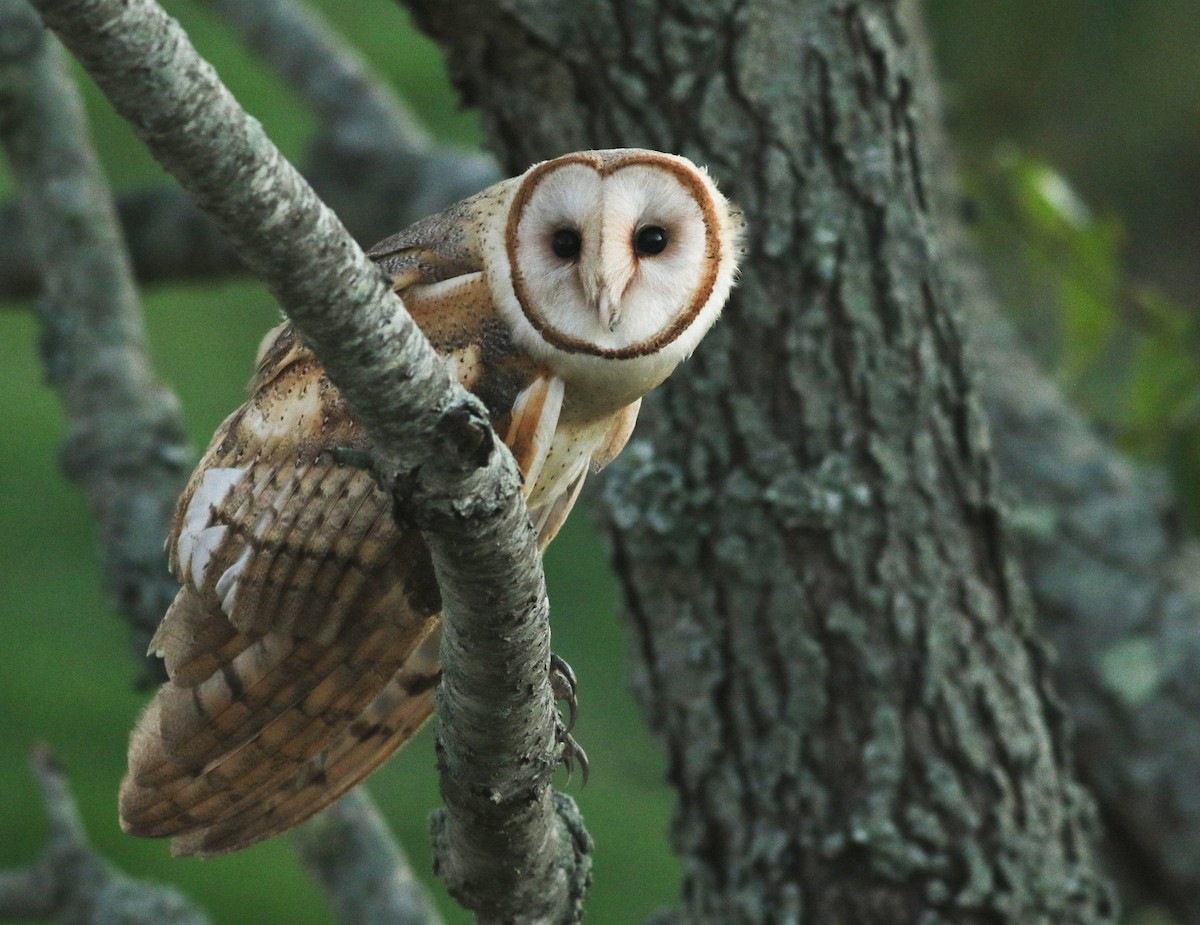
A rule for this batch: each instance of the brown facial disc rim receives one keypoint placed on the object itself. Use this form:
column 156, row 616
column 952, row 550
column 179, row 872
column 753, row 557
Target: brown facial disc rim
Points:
column 606, row 166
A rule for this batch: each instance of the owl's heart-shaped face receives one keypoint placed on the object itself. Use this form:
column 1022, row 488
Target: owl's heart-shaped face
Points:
column 613, row 255
column 613, row 258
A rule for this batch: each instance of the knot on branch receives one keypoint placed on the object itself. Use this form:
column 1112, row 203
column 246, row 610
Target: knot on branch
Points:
column 464, row 479
column 465, row 434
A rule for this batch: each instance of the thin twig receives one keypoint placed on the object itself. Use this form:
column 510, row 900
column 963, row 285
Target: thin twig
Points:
column 367, row 877
column 499, row 744
column 73, row 885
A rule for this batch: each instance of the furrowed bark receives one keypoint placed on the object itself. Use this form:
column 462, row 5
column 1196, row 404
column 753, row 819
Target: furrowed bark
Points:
column 1115, row 578
column 1138, row 754
column 831, row 632
column 435, row 447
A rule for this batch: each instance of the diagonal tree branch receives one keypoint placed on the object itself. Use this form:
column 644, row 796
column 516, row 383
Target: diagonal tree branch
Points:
column 1112, row 574
column 1163, row 592
column 435, row 449
column 96, row 355
column 855, row 735
column 326, row 72
column 364, row 872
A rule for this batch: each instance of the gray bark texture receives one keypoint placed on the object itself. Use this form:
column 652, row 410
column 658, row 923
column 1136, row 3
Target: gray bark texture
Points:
column 832, row 636
column 367, row 139
column 1110, row 571
column 364, row 872
column 128, row 450
column 1115, row 577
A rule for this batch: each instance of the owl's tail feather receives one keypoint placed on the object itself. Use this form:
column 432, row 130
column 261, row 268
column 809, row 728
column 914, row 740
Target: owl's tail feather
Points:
column 395, row 714
column 202, row 752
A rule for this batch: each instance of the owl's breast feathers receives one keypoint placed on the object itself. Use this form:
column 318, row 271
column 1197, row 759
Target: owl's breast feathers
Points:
column 302, row 647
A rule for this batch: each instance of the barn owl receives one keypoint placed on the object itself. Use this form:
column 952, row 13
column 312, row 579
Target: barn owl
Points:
column 302, row 648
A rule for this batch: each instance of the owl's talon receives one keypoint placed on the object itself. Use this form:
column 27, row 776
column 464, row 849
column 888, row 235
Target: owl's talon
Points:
column 564, row 685
column 571, row 752
column 562, row 680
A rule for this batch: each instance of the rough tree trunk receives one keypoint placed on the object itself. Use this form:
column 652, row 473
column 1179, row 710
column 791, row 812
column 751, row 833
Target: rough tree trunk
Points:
column 833, row 638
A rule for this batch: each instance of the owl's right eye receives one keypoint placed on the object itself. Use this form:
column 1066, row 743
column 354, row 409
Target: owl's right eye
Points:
column 566, row 243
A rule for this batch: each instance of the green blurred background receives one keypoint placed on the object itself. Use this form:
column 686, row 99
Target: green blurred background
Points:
column 1099, row 96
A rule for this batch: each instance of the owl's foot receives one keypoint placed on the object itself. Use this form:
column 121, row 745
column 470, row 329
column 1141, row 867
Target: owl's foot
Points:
column 571, row 752
column 562, row 682
column 564, row 685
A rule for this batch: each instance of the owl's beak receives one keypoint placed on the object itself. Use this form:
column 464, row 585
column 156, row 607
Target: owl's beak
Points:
column 600, row 294
column 607, row 307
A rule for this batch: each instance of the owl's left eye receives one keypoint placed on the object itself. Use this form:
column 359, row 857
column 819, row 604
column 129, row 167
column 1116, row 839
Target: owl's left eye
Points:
column 650, row 240
column 566, row 243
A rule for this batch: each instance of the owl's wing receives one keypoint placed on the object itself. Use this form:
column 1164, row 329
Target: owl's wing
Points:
column 617, row 436
column 391, row 716
column 301, row 599
column 302, row 648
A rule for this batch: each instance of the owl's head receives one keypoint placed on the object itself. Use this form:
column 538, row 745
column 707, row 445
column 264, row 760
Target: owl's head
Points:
column 624, row 255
